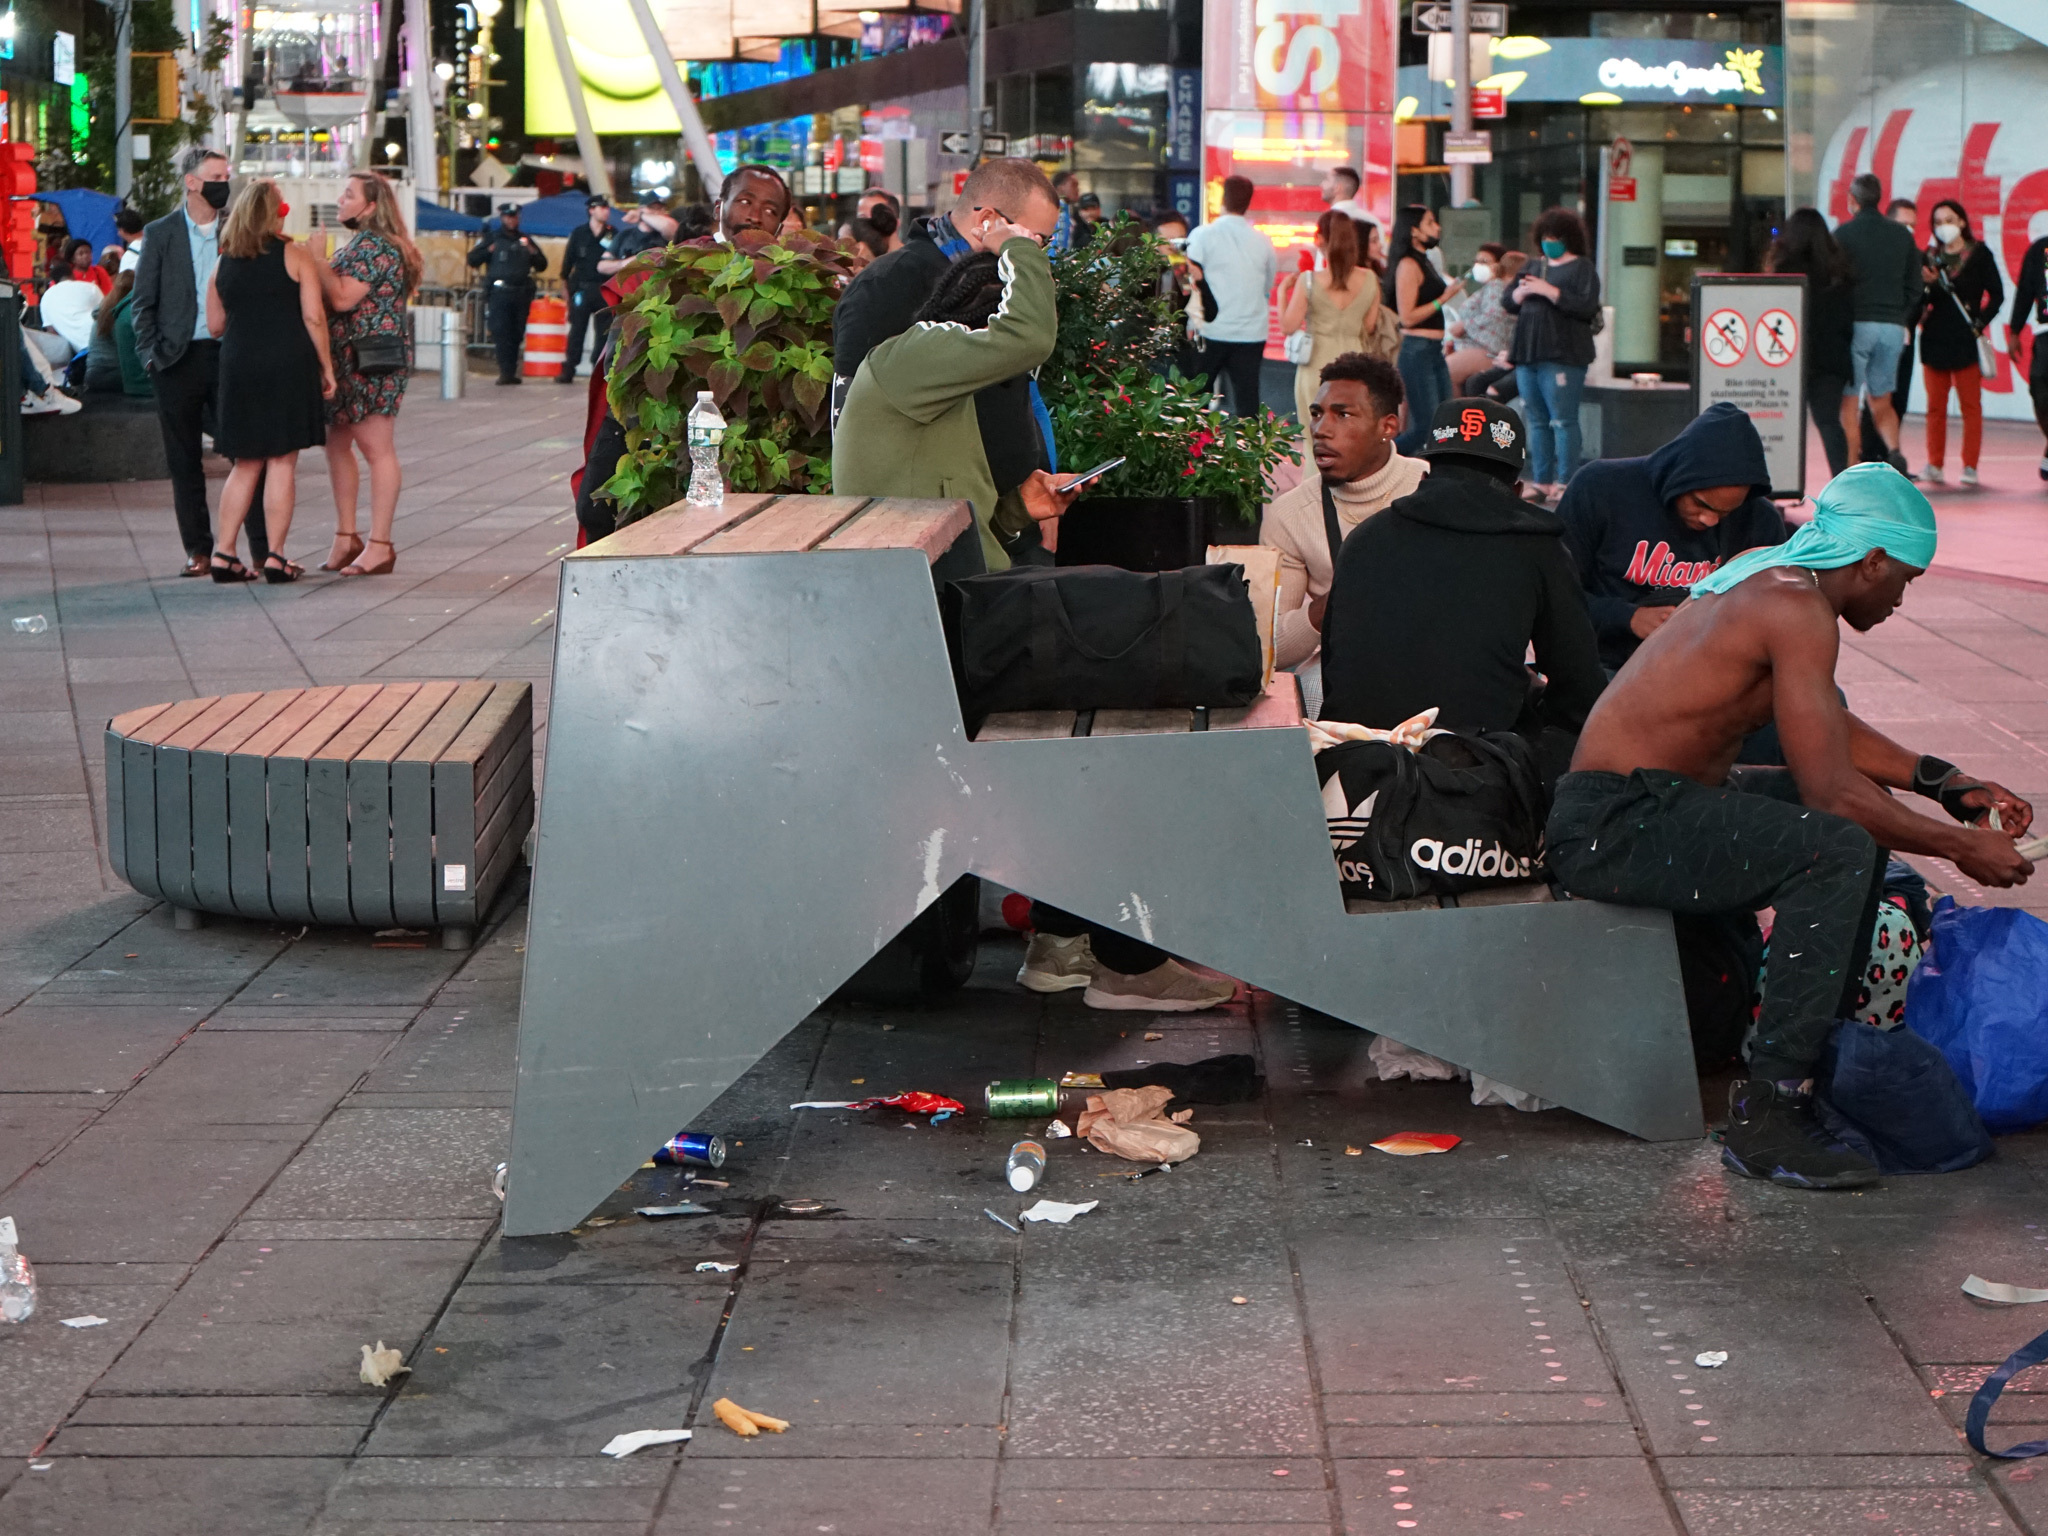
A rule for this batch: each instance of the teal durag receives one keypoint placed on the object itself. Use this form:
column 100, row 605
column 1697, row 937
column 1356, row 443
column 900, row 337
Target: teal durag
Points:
column 1869, row 506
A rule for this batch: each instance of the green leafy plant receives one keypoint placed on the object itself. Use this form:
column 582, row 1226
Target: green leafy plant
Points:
column 750, row 322
column 1108, row 399
column 1174, row 439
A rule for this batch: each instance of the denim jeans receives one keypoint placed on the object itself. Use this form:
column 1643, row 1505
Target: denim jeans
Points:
column 1426, row 378
column 1550, row 410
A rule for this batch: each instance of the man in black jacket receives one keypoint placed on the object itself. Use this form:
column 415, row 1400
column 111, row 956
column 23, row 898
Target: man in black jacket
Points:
column 1888, row 288
column 1016, row 433
column 1436, row 600
column 1642, row 531
column 2030, row 313
column 584, row 284
column 509, row 260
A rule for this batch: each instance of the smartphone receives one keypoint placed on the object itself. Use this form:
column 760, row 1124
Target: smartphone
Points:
column 1094, row 474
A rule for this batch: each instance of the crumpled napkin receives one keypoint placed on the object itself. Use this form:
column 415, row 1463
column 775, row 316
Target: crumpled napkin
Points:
column 1132, row 1123
column 1412, row 732
column 1058, row 1211
column 639, row 1439
column 381, row 1364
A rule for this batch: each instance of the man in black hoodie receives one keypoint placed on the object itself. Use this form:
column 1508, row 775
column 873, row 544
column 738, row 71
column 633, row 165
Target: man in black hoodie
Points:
column 1436, row 601
column 1642, row 531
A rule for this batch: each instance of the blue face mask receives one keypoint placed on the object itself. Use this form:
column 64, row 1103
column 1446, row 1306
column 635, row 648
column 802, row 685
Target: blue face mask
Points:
column 1553, row 249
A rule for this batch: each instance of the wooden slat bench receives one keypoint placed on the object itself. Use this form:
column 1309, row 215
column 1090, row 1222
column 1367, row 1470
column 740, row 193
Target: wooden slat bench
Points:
column 758, row 775
column 375, row 805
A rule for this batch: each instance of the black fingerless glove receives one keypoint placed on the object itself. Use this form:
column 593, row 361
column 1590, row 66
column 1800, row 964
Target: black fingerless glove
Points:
column 1945, row 782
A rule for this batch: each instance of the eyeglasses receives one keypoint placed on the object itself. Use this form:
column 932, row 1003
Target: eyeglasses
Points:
column 1031, row 234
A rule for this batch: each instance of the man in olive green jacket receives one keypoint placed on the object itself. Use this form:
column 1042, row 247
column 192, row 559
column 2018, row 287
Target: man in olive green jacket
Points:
column 909, row 426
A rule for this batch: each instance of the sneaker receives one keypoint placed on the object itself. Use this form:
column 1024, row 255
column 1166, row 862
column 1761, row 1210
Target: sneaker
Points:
column 1053, row 964
column 1970, row 477
column 1772, row 1134
column 51, row 402
column 1897, row 459
column 2044, row 467
column 1930, row 474
column 1167, row 988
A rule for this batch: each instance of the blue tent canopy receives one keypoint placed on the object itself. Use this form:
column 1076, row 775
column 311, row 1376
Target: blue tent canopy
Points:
column 432, row 216
column 87, row 214
column 557, row 215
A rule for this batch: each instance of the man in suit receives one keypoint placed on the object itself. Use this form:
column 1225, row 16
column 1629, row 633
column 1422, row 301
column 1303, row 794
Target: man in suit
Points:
column 183, row 359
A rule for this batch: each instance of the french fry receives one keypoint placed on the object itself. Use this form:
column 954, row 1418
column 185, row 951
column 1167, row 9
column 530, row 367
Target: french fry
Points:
column 735, row 1418
column 773, row 1426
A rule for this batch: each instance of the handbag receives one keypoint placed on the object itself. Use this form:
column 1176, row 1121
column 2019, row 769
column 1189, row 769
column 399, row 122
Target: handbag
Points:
column 1096, row 637
column 379, row 354
column 1458, row 813
column 1297, row 346
column 1987, row 354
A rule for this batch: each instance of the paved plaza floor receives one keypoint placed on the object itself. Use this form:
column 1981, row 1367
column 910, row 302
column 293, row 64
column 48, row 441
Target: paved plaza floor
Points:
column 255, row 1149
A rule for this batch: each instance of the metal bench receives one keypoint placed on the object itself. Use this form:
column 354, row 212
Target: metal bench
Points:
column 377, row 805
column 758, row 774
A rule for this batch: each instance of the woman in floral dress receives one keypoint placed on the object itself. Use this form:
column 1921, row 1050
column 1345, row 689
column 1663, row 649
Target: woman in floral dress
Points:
column 367, row 285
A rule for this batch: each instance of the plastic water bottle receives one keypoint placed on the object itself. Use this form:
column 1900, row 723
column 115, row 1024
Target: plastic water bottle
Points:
column 1026, row 1166
column 706, row 431
column 17, row 1279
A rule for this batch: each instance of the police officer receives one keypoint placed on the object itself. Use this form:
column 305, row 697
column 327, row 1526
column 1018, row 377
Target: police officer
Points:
column 584, row 284
column 509, row 260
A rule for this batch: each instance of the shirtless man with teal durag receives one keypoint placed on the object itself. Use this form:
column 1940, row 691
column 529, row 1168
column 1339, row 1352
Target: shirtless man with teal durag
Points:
column 1654, row 813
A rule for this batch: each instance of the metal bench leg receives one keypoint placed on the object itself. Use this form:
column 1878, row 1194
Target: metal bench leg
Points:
column 185, row 920
column 457, row 936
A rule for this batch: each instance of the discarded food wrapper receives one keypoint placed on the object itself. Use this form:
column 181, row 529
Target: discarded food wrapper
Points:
column 1056, row 1130
column 87, row 1321
column 1132, row 1123
column 1392, row 1061
column 744, row 1422
column 1081, row 1080
column 680, row 1208
column 914, row 1102
column 381, row 1364
column 1153, row 1034
column 1416, row 1143
column 1998, row 1290
column 1354, row 1151
column 498, row 1182
column 713, row 1267
column 1710, row 1359
column 640, row 1439
column 1058, row 1212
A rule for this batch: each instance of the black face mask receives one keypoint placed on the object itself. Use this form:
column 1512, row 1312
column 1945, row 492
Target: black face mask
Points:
column 215, row 193
column 1429, row 243
column 355, row 223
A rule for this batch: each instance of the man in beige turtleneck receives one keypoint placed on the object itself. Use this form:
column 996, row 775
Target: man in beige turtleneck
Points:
column 1352, row 426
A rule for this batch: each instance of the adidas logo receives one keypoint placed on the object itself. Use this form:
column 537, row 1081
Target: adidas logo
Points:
column 1347, row 825
column 1468, row 858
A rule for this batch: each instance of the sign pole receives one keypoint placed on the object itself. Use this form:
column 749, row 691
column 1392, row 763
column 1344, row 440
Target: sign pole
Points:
column 1461, row 95
column 695, row 139
column 977, row 81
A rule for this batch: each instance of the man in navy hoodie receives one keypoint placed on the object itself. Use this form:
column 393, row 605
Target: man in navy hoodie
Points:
column 1642, row 531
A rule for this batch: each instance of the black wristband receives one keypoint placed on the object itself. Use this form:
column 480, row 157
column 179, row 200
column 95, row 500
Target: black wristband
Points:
column 1930, row 774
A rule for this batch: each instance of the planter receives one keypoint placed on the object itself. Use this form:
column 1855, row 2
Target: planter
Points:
column 1150, row 533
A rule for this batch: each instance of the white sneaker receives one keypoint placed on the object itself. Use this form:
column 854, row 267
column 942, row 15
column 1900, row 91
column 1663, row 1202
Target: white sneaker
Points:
column 1167, row 988
column 1970, row 475
column 1930, row 474
column 1053, row 964
column 48, row 403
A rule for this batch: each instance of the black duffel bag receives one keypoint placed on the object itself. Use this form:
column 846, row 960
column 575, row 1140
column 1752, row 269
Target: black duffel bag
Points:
column 1096, row 637
column 1459, row 813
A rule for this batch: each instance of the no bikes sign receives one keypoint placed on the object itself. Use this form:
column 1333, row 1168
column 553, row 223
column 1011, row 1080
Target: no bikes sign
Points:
column 1746, row 333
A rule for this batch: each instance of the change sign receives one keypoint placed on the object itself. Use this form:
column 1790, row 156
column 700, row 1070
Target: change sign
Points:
column 1746, row 334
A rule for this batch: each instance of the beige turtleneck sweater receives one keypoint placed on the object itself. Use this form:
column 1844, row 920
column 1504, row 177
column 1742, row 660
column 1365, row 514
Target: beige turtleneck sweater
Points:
column 1294, row 525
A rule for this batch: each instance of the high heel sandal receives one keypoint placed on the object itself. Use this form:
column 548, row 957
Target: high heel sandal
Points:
column 346, row 547
column 230, row 574
column 277, row 570
column 357, row 568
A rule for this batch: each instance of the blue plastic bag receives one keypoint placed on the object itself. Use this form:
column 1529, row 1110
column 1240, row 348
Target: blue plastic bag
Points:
column 1892, row 1097
column 1982, row 996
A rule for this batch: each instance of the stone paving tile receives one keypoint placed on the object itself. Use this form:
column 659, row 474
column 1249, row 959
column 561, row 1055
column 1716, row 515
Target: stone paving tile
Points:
column 379, row 1164
column 290, row 1317
column 33, row 1125
column 445, row 1494
column 851, row 1497
column 1473, row 1422
column 245, row 1077
column 86, row 1050
column 183, row 1496
column 1578, row 1496
column 47, row 1367
column 551, row 1370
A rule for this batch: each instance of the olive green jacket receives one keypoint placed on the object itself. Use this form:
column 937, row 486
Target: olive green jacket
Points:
column 908, row 427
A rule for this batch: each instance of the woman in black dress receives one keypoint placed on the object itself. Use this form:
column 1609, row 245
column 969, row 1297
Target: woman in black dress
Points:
column 265, row 304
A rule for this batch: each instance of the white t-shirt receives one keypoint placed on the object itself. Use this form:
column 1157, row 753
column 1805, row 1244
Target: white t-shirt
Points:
column 132, row 257
column 1357, row 210
column 68, row 309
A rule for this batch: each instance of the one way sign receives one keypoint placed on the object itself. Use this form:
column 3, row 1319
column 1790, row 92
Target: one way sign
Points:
column 963, row 143
column 1435, row 16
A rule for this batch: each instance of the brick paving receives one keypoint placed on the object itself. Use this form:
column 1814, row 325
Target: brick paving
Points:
column 254, row 1149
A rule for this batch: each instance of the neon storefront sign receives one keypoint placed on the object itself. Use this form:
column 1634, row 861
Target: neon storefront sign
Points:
column 1739, row 73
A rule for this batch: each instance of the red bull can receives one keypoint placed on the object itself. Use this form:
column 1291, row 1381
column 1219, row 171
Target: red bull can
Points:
column 693, row 1147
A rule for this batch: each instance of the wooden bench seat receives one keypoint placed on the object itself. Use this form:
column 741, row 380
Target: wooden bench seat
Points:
column 374, row 805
